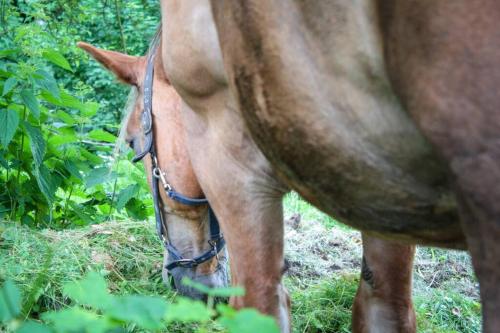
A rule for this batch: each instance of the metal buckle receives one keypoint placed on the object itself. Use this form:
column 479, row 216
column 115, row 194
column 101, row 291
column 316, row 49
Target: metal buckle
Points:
column 158, row 173
column 185, row 263
column 213, row 244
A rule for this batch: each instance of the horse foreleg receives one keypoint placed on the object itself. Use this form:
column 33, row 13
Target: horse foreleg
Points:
column 383, row 301
column 247, row 200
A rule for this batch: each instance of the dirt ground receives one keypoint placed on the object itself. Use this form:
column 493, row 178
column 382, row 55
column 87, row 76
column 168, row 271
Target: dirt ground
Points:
column 314, row 251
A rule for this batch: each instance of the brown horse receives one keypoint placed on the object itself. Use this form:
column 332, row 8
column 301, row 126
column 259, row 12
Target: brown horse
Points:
column 188, row 226
column 383, row 114
column 392, row 296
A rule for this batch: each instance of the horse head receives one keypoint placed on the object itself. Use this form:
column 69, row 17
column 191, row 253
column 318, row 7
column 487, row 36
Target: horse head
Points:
column 186, row 229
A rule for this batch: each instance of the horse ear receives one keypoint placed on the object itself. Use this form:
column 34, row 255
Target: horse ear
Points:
column 126, row 68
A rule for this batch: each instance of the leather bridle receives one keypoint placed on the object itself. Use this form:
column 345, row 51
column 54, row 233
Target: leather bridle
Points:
column 216, row 241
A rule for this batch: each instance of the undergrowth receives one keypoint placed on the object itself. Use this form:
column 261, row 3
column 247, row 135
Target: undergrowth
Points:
column 129, row 256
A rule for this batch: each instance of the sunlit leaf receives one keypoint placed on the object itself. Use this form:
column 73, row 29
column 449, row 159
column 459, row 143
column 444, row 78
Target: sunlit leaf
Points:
column 145, row 311
column 249, row 321
column 68, row 119
column 214, row 292
column 78, row 320
column 57, row 59
column 100, row 135
column 9, row 121
column 188, row 311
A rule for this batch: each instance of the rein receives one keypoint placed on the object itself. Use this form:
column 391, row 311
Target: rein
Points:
column 216, row 241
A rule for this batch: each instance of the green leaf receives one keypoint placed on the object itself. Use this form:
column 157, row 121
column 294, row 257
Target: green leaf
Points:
column 72, row 169
column 57, row 59
column 125, row 195
column 90, row 109
column 188, row 311
column 46, row 182
column 9, row 121
column 9, row 84
column 92, row 290
column 88, row 156
column 250, row 321
column 58, row 140
column 214, row 292
column 37, row 143
column 31, row 102
column 8, row 52
column 97, row 176
column 68, row 119
column 10, row 301
column 47, row 82
column 33, row 327
column 78, row 320
column 146, row 311
column 100, row 135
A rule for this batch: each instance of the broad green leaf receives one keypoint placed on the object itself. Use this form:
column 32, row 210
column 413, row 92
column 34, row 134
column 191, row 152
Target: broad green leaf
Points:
column 97, row 176
column 249, row 321
column 92, row 290
column 31, row 102
column 90, row 109
column 8, row 52
column 57, row 59
column 125, row 195
column 34, row 327
column 214, row 292
column 72, row 169
column 10, row 301
column 47, row 82
column 93, row 158
column 78, row 320
column 100, row 135
column 58, row 140
column 188, row 311
column 46, row 183
column 9, row 121
column 68, row 119
column 64, row 100
column 9, row 84
column 145, row 311
column 37, row 143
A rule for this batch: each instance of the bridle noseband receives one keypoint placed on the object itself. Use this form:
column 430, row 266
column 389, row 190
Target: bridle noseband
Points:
column 216, row 241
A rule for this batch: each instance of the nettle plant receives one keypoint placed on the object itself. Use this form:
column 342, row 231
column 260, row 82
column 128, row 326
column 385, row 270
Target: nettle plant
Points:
column 95, row 310
column 56, row 169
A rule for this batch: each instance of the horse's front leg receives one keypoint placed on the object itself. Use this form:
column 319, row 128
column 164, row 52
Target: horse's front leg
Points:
column 383, row 301
column 247, row 199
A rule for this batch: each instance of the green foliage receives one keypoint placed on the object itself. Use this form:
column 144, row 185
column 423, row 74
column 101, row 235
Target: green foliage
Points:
column 97, row 310
column 56, row 140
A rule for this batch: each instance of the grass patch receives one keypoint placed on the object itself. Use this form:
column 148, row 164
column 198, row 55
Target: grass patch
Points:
column 294, row 204
column 129, row 255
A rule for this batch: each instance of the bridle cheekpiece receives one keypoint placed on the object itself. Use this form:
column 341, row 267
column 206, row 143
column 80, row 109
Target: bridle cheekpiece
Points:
column 216, row 241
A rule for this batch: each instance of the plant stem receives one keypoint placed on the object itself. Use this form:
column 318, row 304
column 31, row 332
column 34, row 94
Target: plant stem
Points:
column 118, row 17
column 112, row 199
column 19, row 156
